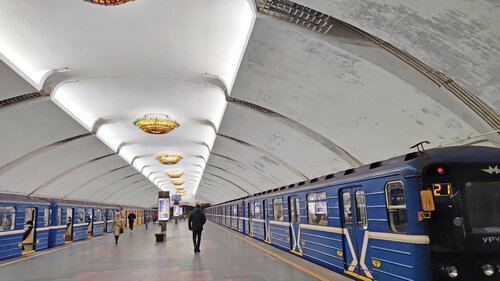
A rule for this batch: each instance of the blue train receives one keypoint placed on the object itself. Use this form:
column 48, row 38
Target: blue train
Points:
column 421, row 216
column 34, row 224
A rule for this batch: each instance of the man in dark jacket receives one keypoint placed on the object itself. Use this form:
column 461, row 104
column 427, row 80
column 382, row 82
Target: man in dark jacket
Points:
column 196, row 221
column 131, row 218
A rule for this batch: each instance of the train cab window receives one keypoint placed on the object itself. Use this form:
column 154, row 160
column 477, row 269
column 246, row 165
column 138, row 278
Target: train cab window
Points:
column 317, row 209
column 8, row 218
column 362, row 217
column 47, row 217
column 278, row 209
column 347, row 207
column 81, row 215
column 258, row 210
column 396, row 206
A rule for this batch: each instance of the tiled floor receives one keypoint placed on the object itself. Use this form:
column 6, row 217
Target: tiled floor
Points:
column 225, row 256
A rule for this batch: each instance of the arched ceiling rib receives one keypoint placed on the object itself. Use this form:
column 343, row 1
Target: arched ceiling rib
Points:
column 298, row 104
column 459, row 38
column 45, row 153
column 340, row 86
column 107, row 80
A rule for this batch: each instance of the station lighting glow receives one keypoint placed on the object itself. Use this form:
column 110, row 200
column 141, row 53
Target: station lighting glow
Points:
column 169, row 159
column 156, row 124
column 174, row 175
column 108, row 2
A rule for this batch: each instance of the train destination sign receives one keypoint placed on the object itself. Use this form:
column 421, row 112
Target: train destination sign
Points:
column 442, row 189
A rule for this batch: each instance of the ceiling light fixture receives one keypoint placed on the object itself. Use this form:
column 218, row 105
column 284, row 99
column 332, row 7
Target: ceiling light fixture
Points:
column 156, row 124
column 178, row 182
column 108, row 2
column 174, row 175
column 179, row 188
column 169, row 159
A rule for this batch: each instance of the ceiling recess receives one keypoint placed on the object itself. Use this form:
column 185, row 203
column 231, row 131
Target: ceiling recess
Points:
column 295, row 13
column 108, row 2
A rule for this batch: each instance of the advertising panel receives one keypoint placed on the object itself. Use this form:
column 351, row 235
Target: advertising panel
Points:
column 177, row 210
column 163, row 209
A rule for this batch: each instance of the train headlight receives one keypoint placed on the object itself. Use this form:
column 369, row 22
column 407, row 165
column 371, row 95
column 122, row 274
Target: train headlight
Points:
column 451, row 271
column 488, row 269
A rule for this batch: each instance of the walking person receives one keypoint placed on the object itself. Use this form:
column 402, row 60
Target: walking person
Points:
column 195, row 223
column 155, row 218
column 146, row 221
column 117, row 226
column 131, row 217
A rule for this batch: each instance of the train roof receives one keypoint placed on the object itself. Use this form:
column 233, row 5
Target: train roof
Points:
column 19, row 199
column 407, row 165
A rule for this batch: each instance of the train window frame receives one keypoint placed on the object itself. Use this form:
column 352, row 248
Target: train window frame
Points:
column 258, row 215
column 59, row 216
column 47, row 216
column 81, row 215
column 312, row 201
column 397, row 216
column 98, row 215
column 278, row 210
column 361, row 213
column 349, row 214
column 4, row 212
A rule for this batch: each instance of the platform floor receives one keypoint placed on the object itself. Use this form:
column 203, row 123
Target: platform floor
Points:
column 226, row 255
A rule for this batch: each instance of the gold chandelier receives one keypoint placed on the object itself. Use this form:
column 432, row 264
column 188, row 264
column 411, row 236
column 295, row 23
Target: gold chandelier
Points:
column 157, row 124
column 174, row 175
column 108, row 2
column 177, row 182
column 169, row 159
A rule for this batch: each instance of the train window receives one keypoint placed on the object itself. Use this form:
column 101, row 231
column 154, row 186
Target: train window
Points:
column 235, row 210
column 396, row 206
column 278, row 209
column 59, row 216
column 258, row 210
column 239, row 211
column 317, row 208
column 267, row 209
column 81, row 215
column 347, row 207
column 361, row 209
column 47, row 217
column 252, row 210
column 8, row 216
column 98, row 215
column 69, row 216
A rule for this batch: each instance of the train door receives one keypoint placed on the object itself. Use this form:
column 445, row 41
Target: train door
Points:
column 267, row 230
column 355, row 225
column 251, row 215
column 104, row 214
column 68, row 236
column 29, row 231
column 294, row 215
column 89, row 218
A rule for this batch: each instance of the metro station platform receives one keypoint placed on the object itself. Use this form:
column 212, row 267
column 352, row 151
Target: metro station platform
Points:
column 225, row 255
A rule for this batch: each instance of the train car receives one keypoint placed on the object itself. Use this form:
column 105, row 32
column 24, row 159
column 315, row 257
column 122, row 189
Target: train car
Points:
column 423, row 216
column 25, row 225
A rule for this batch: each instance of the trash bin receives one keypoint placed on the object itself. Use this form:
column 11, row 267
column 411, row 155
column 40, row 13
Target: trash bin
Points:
column 160, row 237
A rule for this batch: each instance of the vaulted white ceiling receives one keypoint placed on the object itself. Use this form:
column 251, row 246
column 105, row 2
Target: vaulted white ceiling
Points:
column 262, row 102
